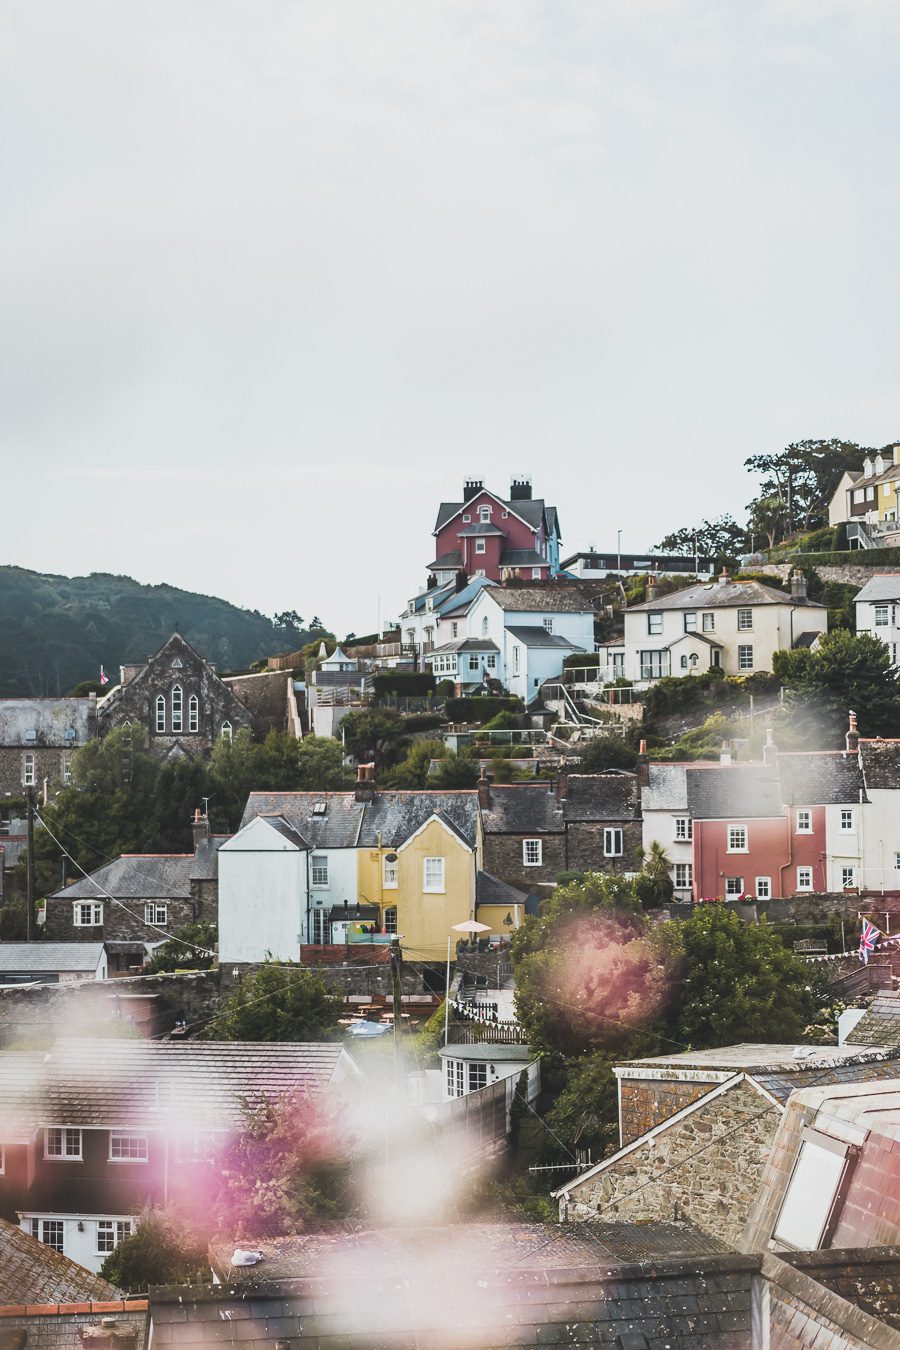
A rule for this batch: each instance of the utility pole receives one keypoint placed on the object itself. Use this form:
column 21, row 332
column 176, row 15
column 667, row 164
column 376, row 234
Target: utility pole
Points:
column 29, row 885
column 398, row 1009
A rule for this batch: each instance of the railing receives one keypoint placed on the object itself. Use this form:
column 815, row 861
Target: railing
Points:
column 486, row 1033
column 512, row 736
column 384, row 650
column 342, row 696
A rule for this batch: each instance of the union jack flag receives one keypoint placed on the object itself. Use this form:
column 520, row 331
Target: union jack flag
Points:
column 867, row 940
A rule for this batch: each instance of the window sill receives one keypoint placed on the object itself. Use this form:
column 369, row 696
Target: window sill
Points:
column 434, row 890
column 737, row 850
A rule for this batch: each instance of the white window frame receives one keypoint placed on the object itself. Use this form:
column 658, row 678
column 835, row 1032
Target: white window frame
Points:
column 812, row 1192
column 454, row 628
column 160, row 715
column 532, row 852
column 156, row 913
column 684, row 876
column 484, row 514
column 882, row 618
column 763, row 888
column 683, row 829
column 548, row 625
column 802, row 873
column 318, row 871
column 738, row 833
column 734, row 886
column 690, row 621
column 848, row 877
column 708, row 623
column 745, row 656
column 40, row 1227
column 66, row 769
column 437, row 885
column 117, row 1229
column 389, row 918
column 29, row 769
column 480, row 546
column 389, row 873
column 535, row 574
column 804, row 813
column 96, row 909
column 176, row 707
column 227, row 732
column 129, row 1139
column 613, row 841
column 484, row 626
column 745, row 620
column 848, row 822
column 193, row 713
column 67, row 1143
column 516, row 658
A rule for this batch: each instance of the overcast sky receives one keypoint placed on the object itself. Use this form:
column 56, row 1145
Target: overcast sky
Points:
column 275, row 276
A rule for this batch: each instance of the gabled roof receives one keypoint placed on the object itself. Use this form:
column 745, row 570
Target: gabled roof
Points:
column 461, row 600
column 738, row 791
column 347, row 823
column 136, row 876
column 490, row 890
column 532, row 808
column 552, row 598
column 601, row 796
column 819, row 778
column 40, row 722
column 50, row 956
column 33, row 1273
column 722, row 595
column 535, row 635
column 880, row 1024
column 883, row 586
column 529, row 510
column 171, row 1084
column 880, row 763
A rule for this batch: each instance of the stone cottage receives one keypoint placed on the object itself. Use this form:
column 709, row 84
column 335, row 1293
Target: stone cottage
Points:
column 38, row 737
column 179, row 700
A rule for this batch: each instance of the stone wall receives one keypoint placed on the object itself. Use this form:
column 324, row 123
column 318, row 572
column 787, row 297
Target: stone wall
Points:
column 847, row 574
column 584, row 847
column 712, row 1159
column 49, row 761
column 579, row 848
column 646, row 1102
column 119, row 924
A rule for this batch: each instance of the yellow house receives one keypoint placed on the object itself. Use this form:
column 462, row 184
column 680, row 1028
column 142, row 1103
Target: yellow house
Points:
column 424, row 883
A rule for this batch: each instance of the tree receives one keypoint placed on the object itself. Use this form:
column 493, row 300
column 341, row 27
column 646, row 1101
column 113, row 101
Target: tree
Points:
column 191, row 948
column 290, row 622
column 720, row 538
column 654, row 886
column 289, row 1168
column 606, row 752
column 843, row 673
column 13, row 921
column 373, row 738
column 739, row 982
column 767, row 516
column 161, row 1250
column 802, row 478
column 320, row 765
column 279, row 1002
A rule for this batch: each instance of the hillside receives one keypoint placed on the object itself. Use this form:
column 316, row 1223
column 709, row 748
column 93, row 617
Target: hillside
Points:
column 56, row 631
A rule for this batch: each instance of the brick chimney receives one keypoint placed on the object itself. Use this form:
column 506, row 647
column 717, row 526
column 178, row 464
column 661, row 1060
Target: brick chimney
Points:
column 643, row 766
column 798, row 588
column 484, row 791
column 200, row 827
column 562, row 785
column 471, row 488
column 724, row 578
column 111, row 1334
column 365, row 783
column 520, row 490
column 852, row 737
column 770, row 749
column 652, row 587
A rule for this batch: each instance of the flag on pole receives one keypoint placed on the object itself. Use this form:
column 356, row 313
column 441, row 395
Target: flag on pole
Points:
column 104, row 678
column 867, row 939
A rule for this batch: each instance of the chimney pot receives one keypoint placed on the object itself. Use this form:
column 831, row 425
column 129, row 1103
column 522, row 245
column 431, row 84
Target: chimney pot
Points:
column 643, row 766
column 199, row 828
column 562, row 785
column 365, row 782
column 852, row 738
column 484, row 791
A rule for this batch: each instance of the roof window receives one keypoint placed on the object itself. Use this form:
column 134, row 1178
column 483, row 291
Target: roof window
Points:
column 319, row 808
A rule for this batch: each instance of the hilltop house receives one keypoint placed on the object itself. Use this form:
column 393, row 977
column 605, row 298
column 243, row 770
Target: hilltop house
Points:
column 734, row 626
column 866, row 499
column 489, row 536
column 178, row 699
column 135, row 903
column 38, row 737
column 439, row 614
column 878, row 610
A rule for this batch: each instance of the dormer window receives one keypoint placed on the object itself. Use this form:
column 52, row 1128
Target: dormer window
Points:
column 177, row 707
column 867, row 468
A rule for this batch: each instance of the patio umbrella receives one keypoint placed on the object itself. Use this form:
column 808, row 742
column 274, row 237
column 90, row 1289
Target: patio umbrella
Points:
column 471, row 926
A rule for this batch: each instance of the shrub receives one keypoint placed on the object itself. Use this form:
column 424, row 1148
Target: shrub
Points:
column 479, row 708
column 421, row 722
column 403, row 683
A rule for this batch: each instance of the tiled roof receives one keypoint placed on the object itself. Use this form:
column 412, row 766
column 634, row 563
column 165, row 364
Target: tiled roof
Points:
column 880, row 1025
column 45, row 722
column 756, row 1059
column 152, row 1083
column 136, row 876
column 50, row 956
column 62, row 1326
column 739, row 791
column 553, row 597
column 347, row 823
column 880, row 763
column 867, row 1277
column 490, row 890
column 819, row 778
column 206, row 858
column 876, row 1069
column 722, row 595
column 558, row 1284
column 883, row 586
column 463, row 645
column 535, row 635
column 281, row 826
column 458, row 601
column 32, row 1273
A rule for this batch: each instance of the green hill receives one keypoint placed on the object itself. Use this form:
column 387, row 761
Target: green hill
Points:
column 57, row 631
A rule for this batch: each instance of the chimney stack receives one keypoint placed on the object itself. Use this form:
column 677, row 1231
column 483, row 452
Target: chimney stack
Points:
column 365, row 783
column 770, row 750
column 725, row 753
column 643, row 766
column 798, row 588
column 471, row 488
column 652, row 587
column 520, row 490
column 724, row 578
column 562, row 785
column 484, row 791
column 852, row 738
column 200, row 827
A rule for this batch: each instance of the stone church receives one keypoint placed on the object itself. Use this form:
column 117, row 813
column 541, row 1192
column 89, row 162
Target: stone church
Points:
column 180, row 701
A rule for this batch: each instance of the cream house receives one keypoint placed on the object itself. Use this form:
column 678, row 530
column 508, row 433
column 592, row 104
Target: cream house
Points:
column 735, row 626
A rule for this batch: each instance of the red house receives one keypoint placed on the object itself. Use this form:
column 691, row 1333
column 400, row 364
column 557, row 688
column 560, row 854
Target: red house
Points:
column 490, row 536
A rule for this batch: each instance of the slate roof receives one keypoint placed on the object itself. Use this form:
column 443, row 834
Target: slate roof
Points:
column 883, row 586
column 136, row 876
column 872, row 1069
column 460, row 600
column 463, row 645
column 819, row 778
column 146, row 1084
column 11, row 849
column 733, row 791
column 560, row 1284
column 481, row 527
column 490, row 890
column 532, row 808
column 49, row 719
column 602, row 796
column 347, row 823
column 880, row 1024
column 756, row 1059
column 522, row 557
column 880, row 763
column 536, row 635
column 446, row 560
column 62, row 1326
column 50, row 956
column 32, row 1273
column 722, row 595
column 667, row 788
column 281, row 826
column 554, row 597
column 867, row 1277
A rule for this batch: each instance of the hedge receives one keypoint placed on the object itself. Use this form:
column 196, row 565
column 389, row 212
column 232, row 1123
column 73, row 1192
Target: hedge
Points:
column 854, row 557
column 403, row 683
column 480, row 709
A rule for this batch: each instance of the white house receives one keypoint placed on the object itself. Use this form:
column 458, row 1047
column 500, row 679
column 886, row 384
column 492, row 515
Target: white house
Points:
column 263, row 892
column 666, row 818
column 878, row 610
column 518, row 635
column 439, row 614
column 735, row 626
